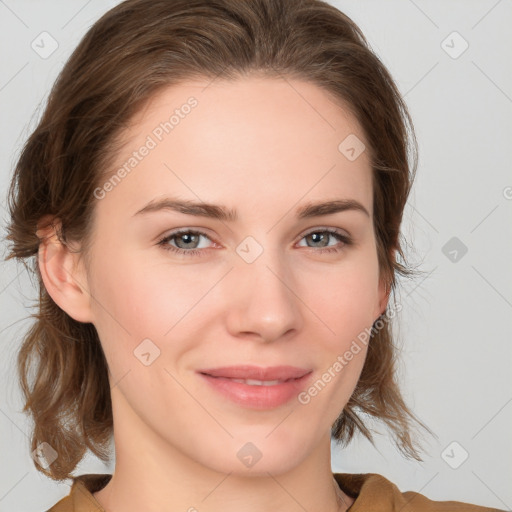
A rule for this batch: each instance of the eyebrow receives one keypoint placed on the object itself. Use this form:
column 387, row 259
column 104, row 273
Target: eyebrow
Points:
column 223, row 213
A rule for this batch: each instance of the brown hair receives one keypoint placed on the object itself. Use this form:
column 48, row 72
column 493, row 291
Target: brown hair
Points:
column 136, row 49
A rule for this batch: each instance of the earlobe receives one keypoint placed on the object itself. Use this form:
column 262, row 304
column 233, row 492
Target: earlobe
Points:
column 62, row 273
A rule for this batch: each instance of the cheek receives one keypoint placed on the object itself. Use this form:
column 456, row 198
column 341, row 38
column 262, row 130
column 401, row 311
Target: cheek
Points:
column 137, row 296
column 134, row 301
column 344, row 299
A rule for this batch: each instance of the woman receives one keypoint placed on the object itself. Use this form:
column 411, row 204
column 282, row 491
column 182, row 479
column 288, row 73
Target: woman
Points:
column 215, row 192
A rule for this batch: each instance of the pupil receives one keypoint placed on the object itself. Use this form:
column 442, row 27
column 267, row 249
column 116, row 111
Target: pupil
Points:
column 317, row 236
column 188, row 238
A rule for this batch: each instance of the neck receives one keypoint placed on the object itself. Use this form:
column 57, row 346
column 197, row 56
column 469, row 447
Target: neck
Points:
column 153, row 475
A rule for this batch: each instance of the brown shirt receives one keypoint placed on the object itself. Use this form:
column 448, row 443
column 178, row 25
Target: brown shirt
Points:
column 372, row 493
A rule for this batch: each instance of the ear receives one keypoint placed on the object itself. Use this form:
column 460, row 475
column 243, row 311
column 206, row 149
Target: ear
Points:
column 62, row 271
column 385, row 290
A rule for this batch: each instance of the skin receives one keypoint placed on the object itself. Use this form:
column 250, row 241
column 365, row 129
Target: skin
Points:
column 263, row 147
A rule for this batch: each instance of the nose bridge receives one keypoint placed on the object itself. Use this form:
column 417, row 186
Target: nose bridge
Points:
column 263, row 302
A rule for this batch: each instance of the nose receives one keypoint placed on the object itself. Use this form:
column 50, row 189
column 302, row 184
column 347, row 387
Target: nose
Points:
column 261, row 303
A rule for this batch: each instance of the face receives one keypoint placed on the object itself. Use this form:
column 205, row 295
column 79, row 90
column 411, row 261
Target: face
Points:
column 262, row 280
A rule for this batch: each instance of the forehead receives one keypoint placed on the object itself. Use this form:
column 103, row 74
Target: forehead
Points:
column 263, row 139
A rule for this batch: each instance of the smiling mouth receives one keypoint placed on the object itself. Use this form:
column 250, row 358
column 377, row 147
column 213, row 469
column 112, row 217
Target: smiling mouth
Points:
column 254, row 382
column 257, row 387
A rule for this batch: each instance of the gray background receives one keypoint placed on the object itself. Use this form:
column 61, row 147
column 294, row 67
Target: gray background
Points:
column 456, row 322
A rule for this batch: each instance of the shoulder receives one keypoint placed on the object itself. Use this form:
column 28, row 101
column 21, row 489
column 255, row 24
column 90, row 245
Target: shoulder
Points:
column 376, row 493
column 80, row 497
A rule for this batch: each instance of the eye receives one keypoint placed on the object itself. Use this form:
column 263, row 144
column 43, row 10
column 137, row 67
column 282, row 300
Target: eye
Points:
column 322, row 236
column 187, row 241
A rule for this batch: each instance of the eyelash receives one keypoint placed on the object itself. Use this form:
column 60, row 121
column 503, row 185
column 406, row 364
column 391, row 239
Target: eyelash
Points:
column 347, row 241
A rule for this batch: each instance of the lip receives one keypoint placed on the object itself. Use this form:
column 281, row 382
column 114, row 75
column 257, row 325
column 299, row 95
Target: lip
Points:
column 293, row 380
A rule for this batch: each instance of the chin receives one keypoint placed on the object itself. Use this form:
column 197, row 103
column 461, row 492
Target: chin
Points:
column 255, row 455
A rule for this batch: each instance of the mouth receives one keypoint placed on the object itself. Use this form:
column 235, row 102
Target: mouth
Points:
column 254, row 382
column 257, row 387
